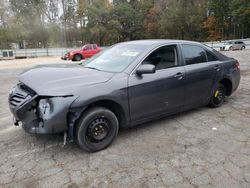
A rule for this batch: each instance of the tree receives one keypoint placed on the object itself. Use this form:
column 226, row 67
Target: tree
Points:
column 129, row 20
column 151, row 14
column 213, row 27
column 27, row 15
column 48, row 23
column 219, row 13
column 241, row 22
column 182, row 19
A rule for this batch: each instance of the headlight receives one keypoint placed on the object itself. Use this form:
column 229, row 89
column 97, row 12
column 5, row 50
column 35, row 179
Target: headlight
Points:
column 44, row 108
column 49, row 107
column 12, row 90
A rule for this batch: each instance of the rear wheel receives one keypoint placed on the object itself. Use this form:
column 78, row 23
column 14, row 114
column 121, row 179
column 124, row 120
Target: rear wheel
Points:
column 96, row 129
column 218, row 97
column 243, row 47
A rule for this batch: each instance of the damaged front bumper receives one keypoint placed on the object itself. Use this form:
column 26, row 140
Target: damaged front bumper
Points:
column 39, row 114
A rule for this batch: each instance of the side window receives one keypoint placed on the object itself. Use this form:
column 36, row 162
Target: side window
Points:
column 94, row 46
column 211, row 56
column 163, row 57
column 88, row 47
column 193, row 54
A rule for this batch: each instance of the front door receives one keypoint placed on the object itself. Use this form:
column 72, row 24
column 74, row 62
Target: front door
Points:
column 161, row 92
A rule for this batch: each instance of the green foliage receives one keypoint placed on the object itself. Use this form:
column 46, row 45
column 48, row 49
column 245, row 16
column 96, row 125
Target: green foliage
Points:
column 50, row 23
column 129, row 20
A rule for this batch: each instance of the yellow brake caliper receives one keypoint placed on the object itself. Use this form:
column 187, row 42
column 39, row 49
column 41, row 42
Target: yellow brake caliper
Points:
column 216, row 93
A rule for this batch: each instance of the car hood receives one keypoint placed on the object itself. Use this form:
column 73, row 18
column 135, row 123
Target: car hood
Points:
column 62, row 80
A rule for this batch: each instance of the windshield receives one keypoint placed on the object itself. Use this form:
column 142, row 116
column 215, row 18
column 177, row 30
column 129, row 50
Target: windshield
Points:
column 116, row 58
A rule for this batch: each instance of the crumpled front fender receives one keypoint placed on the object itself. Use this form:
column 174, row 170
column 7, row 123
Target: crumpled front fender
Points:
column 49, row 116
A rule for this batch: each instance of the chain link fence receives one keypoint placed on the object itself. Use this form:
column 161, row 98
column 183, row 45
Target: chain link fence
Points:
column 35, row 52
column 40, row 52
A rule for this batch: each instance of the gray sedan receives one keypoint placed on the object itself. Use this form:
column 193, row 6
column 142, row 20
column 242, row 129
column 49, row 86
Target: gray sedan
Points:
column 233, row 45
column 128, row 84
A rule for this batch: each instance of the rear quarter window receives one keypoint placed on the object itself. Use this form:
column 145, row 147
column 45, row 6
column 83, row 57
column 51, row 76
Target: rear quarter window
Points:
column 219, row 56
column 211, row 56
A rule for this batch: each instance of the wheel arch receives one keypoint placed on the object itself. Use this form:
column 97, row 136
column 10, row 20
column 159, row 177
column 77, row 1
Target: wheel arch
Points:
column 79, row 55
column 75, row 113
column 228, row 85
column 113, row 106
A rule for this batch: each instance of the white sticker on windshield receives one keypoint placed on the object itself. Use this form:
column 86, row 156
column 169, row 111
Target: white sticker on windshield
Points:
column 130, row 53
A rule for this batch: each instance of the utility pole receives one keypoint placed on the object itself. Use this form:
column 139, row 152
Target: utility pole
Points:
column 64, row 24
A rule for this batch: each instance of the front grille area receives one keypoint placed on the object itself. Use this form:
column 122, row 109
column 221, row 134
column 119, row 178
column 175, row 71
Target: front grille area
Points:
column 17, row 99
column 20, row 94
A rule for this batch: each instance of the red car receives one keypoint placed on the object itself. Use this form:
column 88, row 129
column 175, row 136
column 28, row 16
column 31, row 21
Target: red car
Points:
column 86, row 51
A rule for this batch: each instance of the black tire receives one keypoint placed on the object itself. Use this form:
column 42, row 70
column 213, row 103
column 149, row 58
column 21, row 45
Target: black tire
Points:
column 77, row 57
column 231, row 48
column 96, row 129
column 243, row 47
column 218, row 97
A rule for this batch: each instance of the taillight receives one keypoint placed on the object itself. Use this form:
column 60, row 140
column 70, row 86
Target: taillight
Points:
column 237, row 65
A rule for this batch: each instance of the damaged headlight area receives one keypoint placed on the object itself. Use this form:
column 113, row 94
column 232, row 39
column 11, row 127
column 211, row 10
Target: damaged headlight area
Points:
column 51, row 115
column 44, row 109
column 40, row 114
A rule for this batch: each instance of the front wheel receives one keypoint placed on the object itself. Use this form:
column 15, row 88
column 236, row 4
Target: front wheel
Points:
column 77, row 57
column 218, row 96
column 96, row 129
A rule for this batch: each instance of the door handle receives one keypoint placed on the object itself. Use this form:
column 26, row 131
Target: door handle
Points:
column 217, row 67
column 178, row 75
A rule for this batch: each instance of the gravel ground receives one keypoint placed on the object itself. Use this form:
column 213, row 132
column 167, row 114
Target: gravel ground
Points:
column 199, row 148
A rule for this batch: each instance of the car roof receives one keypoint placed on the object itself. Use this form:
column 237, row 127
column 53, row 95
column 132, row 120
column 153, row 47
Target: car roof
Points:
column 150, row 42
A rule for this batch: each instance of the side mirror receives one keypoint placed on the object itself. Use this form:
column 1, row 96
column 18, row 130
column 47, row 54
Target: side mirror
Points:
column 145, row 69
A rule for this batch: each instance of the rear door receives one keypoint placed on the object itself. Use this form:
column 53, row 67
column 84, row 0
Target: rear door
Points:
column 200, row 76
column 95, row 49
column 240, row 45
column 236, row 45
column 87, row 51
